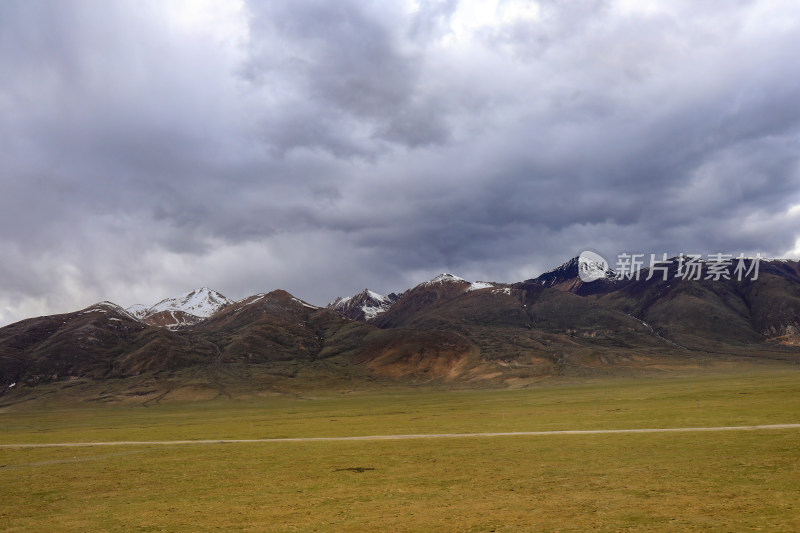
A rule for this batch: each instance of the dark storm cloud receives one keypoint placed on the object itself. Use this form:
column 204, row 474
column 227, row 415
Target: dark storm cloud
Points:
column 347, row 72
column 323, row 147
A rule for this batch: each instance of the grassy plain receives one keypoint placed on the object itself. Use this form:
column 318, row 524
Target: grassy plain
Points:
column 721, row 481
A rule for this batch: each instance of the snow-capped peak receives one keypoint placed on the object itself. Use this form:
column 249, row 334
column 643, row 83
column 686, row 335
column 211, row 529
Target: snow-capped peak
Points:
column 375, row 304
column 444, row 278
column 202, row 302
column 374, row 295
column 363, row 306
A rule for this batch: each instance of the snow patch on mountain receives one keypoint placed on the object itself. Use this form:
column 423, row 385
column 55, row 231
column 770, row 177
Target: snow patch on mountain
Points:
column 106, row 306
column 340, row 302
column 138, row 310
column 374, row 295
column 478, row 285
column 305, row 304
column 372, row 311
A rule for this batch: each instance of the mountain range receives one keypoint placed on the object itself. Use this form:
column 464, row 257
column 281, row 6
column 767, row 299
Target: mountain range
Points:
column 445, row 330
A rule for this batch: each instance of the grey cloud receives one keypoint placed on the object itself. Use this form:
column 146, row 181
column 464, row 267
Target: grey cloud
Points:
column 346, row 76
column 350, row 144
column 432, row 20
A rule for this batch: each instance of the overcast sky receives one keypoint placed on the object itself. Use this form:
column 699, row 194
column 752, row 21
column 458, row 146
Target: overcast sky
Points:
column 149, row 148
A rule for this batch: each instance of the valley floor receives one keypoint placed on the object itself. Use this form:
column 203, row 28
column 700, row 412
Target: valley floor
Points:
column 710, row 480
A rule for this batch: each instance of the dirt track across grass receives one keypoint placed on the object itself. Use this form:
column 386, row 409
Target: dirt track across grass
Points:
column 405, row 437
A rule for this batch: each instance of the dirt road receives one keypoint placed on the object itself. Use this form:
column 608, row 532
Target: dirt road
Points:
column 404, row 437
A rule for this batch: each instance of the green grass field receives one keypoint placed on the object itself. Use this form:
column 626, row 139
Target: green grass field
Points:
column 720, row 481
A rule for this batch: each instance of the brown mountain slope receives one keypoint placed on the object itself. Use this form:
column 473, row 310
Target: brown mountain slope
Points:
column 257, row 344
column 718, row 315
column 443, row 330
